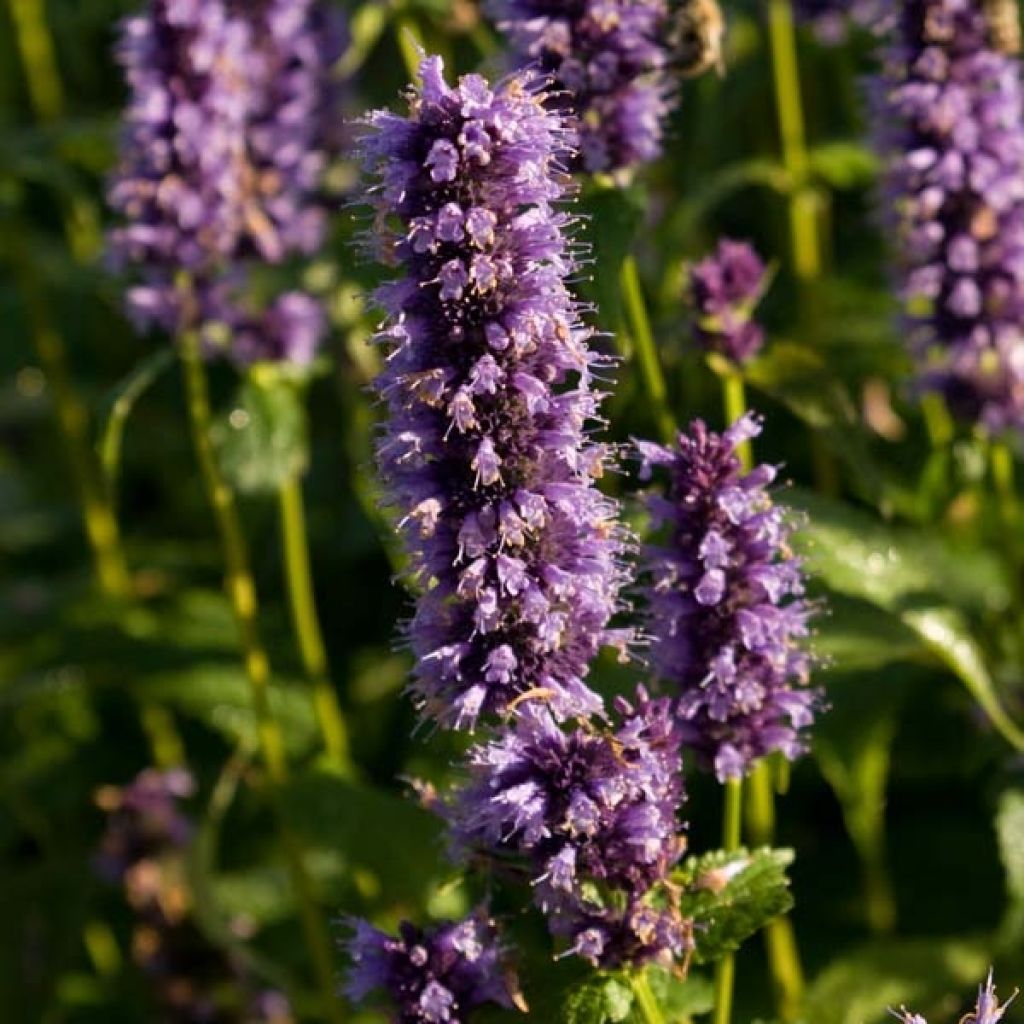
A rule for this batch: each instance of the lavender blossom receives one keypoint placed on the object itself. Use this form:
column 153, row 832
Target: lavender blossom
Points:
column 594, row 811
column 225, row 143
column 488, row 383
column 289, row 330
column 430, row 977
column 951, row 128
column 609, row 59
column 726, row 613
column 723, row 290
column 988, row 1009
column 832, row 20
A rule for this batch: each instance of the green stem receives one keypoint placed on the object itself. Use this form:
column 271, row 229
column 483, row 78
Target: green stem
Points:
column 1003, row 478
column 646, row 349
column 725, row 972
column 410, row 44
column 45, row 90
column 937, row 419
column 646, row 1002
column 241, row 592
column 307, row 626
column 734, row 402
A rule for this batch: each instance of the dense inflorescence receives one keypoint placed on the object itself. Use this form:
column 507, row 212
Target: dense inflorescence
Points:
column 987, row 1010
column 489, row 386
column 429, row 977
column 231, row 119
column 594, row 811
column 949, row 112
column 726, row 615
column 143, row 850
column 723, row 290
column 608, row 60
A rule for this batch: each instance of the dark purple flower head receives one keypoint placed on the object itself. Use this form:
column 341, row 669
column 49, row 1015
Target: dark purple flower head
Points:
column 723, row 290
column 726, row 615
column 595, row 812
column 434, row 976
column 486, row 454
column 988, row 1009
column 608, row 60
column 951, row 128
column 225, row 143
column 145, row 819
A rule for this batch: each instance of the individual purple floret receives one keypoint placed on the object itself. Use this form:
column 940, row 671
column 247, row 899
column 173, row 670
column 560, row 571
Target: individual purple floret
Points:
column 726, row 615
column 608, row 61
column 951, row 128
column 289, row 330
column 723, row 290
column 988, row 1009
column 434, row 976
column 595, row 811
column 486, row 455
column 230, row 120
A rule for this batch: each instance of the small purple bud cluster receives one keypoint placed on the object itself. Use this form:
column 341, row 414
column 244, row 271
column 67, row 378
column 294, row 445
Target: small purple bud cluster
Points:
column 143, row 849
column 515, row 554
column 594, row 811
column 987, row 1010
column 608, row 59
column 489, row 387
column 723, row 290
column 951, row 127
column 226, row 140
column 832, row 19
column 726, row 611
column 431, row 977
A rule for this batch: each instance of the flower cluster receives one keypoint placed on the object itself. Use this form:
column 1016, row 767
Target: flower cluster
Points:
column 594, row 811
column 143, row 849
column 431, row 977
column 609, row 60
column 832, row 19
column 987, row 1010
column 227, row 136
column 723, row 290
column 951, row 125
column 725, row 605
column 489, row 389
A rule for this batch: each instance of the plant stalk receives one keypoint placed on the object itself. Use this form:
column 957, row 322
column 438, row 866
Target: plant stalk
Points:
column 305, row 621
column 725, row 972
column 646, row 349
column 242, row 595
column 646, row 1001
column 734, row 402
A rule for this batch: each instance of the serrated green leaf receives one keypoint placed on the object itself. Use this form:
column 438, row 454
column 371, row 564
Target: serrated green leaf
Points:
column 731, row 896
column 263, row 442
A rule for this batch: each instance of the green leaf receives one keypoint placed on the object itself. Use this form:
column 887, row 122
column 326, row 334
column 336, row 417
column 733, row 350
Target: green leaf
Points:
column 602, row 1000
column 681, row 998
column 731, row 896
column 855, row 636
column 1010, row 834
column 844, row 163
column 263, row 440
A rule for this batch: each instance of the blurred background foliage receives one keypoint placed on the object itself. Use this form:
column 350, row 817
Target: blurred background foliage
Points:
column 908, row 820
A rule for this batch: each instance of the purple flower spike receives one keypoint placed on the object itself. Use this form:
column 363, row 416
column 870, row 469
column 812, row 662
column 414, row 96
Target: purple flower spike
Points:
column 832, row 19
column 723, row 290
column 988, row 1009
column 951, row 128
column 226, row 139
column 592, row 810
column 726, row 612
column 608, row 61
column 430, row 977
column 486, row 455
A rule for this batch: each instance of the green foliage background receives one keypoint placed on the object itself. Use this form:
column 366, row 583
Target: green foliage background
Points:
column 908, row 820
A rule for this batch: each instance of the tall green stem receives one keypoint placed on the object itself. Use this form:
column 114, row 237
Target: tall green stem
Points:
column 646, row 1002
column 307, row 626
column 725, row 972
column 646, row 349
column 1003, row 477
column 734, row 402
column 241, row 592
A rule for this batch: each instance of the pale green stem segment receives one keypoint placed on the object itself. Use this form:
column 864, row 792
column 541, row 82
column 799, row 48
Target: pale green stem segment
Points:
column 725, row 972
column 646, row 349
column 241, row 592
column 646, row 1003
column 410, row 44
column 307, row 625
column 734, row 402
column 1003, row 477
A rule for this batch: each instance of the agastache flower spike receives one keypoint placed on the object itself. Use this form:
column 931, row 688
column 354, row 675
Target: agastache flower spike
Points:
column 951, row 129
column 225, row 143
column 594, row 812
column 485, row 455
column 723, row 290
column 726, row 612
column 431, row 976
column 608, row 60
column 987, row 1010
